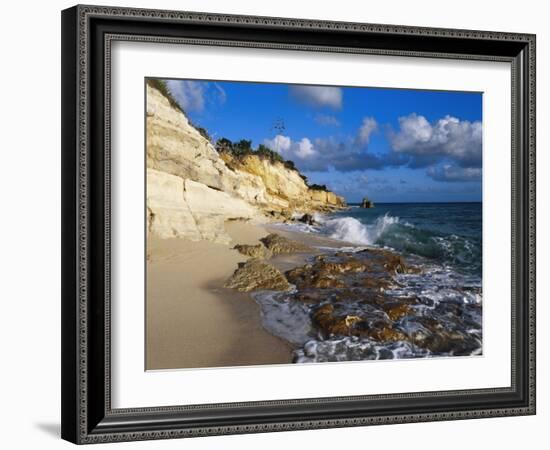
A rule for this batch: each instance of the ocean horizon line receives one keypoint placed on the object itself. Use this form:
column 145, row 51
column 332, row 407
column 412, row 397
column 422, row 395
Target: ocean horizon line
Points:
column 416, row 203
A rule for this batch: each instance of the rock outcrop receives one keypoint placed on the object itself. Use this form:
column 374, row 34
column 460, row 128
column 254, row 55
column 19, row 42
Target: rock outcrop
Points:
column 178, row 207
column 278, row 244
column 258, row 251
column 366, row 203
column 285, row 189
column 255, row 275
column 168, row 212
column 192, row 189
column 308, row 219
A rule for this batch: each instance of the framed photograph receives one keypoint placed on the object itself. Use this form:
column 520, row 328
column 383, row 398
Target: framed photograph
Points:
column 280, row 224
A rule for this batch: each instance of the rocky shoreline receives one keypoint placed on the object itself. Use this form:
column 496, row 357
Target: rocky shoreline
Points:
column 315, row 299
column 358, row 299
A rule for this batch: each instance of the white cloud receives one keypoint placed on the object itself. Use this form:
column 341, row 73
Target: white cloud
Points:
column 189, row 94
column 368, row 127
column 305, row 149
column 222, row 96
column 279, row 143
column 317, row 96
column 449, row 172
column 327, row 120
column 323, row 154
column 458, row 140
column 288, row 149
column 194, row 96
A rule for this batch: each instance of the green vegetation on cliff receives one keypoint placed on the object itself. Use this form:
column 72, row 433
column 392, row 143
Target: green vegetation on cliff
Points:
column 243, row 148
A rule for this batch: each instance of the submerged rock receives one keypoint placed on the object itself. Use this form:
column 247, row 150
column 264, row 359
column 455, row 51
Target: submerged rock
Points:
column 278, row 244
column 255, row 275
column 386, row 334
column 390, row 262
column 335, row 323
column 396, row 310
column 343, row 271
column 444, row 335
column 324, row 275
column 361, row 307
column 258, row 251
column 331, row 324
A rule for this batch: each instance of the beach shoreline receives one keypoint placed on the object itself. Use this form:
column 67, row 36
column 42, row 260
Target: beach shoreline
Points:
column 214, row 305
column 192, row 320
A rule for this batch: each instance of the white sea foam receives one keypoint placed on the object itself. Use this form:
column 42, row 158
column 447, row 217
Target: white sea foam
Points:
column 355, row 349
column 285, row 318
column 352, row 230
column 346, row 229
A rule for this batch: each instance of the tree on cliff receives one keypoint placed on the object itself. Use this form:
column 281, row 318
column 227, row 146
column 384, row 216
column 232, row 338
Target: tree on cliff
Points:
column 265, row 151
column 224, row 145
column 242, row 147
column 318, row 187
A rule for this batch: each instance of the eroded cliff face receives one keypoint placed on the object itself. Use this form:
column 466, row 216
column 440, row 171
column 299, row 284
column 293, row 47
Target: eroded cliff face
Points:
column 192, row 189
column 285, row 188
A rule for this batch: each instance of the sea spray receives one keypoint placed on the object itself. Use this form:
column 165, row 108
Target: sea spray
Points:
column 351, row 230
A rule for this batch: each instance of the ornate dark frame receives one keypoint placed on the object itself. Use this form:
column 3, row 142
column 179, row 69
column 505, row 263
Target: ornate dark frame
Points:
column 87, row 34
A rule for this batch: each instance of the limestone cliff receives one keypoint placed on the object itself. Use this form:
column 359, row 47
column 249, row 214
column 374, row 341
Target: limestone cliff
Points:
column 192, row 189
column 285, row 188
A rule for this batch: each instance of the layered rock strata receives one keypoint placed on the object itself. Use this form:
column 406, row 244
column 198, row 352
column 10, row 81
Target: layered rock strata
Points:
column 192, row 190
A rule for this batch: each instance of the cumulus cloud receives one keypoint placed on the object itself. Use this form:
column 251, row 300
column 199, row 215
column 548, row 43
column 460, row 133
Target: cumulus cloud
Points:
column 343, row 155
column 368, row 127
column 317, row 96
column 449, row 148
column 330, row 153
column 189, row 94
column 193, row 96
column 452, row 173
column 305, row 149
column 288, row 149
column 327, row 120
column 426, row 143
column 323, row 154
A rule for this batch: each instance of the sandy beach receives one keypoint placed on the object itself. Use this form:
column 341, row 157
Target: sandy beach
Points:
column 192, row 321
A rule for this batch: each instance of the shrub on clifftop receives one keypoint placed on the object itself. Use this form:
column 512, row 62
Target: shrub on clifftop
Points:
column 243, row 148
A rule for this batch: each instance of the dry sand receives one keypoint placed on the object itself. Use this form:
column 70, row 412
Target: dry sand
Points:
column 192, row 321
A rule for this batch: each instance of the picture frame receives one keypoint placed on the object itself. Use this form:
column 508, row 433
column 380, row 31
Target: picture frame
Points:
column 87, row 413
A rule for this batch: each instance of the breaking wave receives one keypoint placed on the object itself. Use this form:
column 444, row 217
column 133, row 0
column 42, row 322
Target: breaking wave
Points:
column 352, row 230
column 392, row 232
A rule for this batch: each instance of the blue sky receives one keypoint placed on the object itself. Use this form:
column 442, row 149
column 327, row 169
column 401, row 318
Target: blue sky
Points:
column 393, row 145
